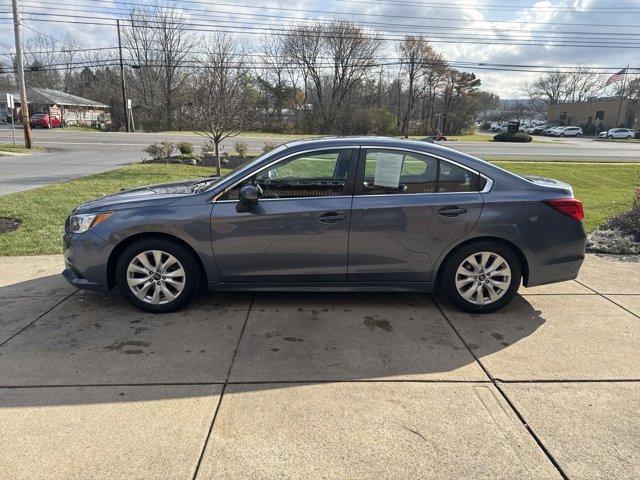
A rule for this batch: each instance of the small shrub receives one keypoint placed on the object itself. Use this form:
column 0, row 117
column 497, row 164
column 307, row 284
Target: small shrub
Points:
column 186, row 148
column 612, row 241
column 512, row 137
column 241, row 148
column 208, row 146
column 268, row 146
column 159, row 150
column 627, row 223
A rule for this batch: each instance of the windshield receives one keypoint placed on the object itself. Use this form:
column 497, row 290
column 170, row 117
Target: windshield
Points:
column 246, row 166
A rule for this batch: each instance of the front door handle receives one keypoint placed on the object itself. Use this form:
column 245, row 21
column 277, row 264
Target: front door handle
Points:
column 451, row 211
column 331, row 217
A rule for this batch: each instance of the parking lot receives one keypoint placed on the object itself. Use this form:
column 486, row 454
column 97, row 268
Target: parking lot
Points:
column 320, row 385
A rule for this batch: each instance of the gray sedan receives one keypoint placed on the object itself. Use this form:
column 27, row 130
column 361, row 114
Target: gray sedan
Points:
column 335, row 214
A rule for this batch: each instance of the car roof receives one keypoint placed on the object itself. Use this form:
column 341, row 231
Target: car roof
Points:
column 370, row 141
column 389, row 142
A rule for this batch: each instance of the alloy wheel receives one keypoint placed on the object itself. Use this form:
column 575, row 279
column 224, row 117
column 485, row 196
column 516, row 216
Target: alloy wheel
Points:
column 156, row 277
column 483, row 278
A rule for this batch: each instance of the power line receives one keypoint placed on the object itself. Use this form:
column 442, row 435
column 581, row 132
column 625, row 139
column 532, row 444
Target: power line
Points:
column 352, row 14
column 413, row 27
column 438, row 38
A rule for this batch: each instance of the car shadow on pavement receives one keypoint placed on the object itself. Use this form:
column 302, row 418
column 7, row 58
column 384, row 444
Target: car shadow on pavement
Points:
column 56, row 337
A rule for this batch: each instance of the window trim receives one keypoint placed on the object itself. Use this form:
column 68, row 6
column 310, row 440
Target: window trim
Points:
column 362, row 158
column 348, row 187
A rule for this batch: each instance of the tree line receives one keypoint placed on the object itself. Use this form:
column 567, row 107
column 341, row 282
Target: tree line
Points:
column 322, row 77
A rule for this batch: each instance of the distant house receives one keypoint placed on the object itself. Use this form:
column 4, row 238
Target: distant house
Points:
column 604, row 112
column 71, row 109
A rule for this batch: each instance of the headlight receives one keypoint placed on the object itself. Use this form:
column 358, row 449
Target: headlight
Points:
column 84, row 221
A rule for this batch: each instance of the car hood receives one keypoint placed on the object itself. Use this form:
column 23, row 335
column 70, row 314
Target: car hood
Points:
column 160, row 194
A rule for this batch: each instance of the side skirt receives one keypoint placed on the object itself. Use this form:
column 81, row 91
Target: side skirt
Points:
column 426, row 287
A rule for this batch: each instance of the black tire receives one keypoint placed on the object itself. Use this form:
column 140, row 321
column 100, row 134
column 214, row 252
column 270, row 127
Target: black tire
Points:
column 610, row 137
column 578, row 134
column 455, row 260
column 184, row 256
column 562, row 134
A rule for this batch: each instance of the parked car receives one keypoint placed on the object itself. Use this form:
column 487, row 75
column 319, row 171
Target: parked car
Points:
column 44, row 120
column 567, row 132
column 551, row 129
column 346, row 214
column 539, row 129
column 626, row 133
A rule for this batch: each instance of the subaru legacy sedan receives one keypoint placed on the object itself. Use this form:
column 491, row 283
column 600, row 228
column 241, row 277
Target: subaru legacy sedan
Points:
column 333, row 214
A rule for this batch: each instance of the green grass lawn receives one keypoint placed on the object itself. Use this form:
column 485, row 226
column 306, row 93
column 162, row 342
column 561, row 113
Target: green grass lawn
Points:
column 605, row 190
column 19, row 148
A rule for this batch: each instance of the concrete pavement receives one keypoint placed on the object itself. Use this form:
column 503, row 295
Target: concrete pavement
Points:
column 320, row 385
column 74, row 154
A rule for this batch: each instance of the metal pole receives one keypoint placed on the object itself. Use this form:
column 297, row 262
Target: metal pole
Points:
column 13, row 125
column 124, row 86
column 624, row 84
column 24, row 103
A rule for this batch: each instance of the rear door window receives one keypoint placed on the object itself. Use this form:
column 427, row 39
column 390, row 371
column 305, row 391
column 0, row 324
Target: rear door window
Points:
column 403, row 172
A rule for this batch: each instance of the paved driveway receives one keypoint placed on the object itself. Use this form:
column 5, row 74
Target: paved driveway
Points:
column 319, row 385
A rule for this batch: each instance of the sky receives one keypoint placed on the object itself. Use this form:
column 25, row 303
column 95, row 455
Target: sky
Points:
column 594, row 33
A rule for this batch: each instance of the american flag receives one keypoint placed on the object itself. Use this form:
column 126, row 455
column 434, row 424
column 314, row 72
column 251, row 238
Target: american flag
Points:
column 616, row 77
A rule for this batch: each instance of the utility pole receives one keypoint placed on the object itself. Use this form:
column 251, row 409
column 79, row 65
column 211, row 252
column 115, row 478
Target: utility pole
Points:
column 24, row 104
column 125, row 105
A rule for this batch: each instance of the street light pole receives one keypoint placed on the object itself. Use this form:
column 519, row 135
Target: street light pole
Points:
column 24, row 104
column 125, row 105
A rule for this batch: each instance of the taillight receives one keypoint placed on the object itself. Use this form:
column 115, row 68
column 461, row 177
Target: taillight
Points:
column 571, row 207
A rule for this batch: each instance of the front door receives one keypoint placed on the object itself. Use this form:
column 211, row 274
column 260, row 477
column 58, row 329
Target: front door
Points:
column 298, row 231
column 407, row 208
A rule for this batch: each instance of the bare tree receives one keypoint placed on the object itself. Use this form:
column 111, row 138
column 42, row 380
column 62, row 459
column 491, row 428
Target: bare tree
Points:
column 420, row 66
column 582, row 84
column 336, row 57
column 275, row 73
column 220, row 105
column 159, row 41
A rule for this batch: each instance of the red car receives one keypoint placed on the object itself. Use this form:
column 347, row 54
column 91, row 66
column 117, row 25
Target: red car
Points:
column 44, row 120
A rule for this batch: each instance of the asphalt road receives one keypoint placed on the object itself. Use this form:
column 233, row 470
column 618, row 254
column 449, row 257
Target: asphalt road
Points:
column 75, row 154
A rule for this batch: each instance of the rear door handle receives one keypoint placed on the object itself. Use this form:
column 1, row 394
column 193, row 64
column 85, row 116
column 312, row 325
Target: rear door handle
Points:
column 451, row 211
column 331, row 217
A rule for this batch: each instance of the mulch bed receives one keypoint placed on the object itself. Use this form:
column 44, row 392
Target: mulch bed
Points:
column 9, row 224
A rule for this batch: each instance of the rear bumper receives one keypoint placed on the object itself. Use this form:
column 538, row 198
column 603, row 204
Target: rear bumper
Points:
column 558, row 262
column 559, row 272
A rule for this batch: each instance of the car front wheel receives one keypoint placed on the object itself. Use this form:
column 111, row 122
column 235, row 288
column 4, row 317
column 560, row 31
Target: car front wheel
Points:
column 157, row 275
column 482, row 277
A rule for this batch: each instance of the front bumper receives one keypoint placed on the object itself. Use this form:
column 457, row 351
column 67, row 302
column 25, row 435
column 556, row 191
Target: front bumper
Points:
column 86, row 256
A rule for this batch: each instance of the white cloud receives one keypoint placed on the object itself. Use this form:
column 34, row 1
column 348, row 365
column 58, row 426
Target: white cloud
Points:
column 537, row 19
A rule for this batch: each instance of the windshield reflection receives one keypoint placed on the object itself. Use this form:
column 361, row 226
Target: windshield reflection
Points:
column 246, row 166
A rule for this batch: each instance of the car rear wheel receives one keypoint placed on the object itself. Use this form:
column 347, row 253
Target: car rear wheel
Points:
column 482, row 277
column 578, row 134
column 157, row 275
column 610, row 137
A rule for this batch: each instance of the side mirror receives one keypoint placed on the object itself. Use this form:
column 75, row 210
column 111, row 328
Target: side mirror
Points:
column 247, row 198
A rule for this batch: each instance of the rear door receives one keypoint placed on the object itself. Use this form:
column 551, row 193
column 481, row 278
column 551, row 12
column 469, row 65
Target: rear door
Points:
column 298, row 231
column 408, row 207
